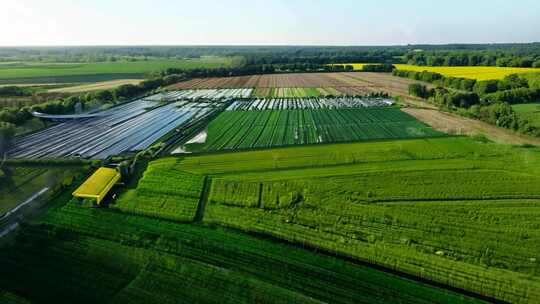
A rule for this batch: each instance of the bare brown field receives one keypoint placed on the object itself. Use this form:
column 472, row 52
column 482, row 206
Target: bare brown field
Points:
column 454, row 124
column 105, row 85
column 346, row 83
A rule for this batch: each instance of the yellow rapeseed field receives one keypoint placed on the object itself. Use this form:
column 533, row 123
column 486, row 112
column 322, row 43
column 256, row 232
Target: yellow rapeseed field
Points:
column 471, row 72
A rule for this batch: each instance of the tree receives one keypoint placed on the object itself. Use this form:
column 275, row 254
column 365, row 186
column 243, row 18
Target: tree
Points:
column 486, row 87
column 419, row 90
column 7, row 132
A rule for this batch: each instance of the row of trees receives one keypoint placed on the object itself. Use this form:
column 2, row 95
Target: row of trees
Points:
column 473, row 58
column 512, row 89
column 14, row 91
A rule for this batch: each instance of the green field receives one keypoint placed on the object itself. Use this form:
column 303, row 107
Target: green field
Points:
column 529, row 111
column 111, row 257
column 271, row 128
column 21, row 73
column 166, row 192
column 451, row 210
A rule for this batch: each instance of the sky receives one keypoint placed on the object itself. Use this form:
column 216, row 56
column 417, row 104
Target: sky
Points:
column 267, row 22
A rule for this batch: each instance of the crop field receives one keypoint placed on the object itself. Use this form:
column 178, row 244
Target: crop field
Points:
column 19, row 73
column 213, row 94
column 125, row 258
column 529, row 111
column 353, row 83
column 450, row 210
column 294, row 92
column 309, row 103
column 269, row 128
column 164, row 192
column 133, row 126
column 472, row 72
column 104, row 85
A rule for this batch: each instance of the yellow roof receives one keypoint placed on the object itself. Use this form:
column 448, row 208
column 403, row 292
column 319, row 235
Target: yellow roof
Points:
column 98, row 184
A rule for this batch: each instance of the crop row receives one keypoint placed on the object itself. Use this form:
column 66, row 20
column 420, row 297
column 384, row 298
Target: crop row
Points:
column 466, row 220
column 309, row 103
column 269, row 128
column 164, row 192
column 114, row 257
column 213, row 94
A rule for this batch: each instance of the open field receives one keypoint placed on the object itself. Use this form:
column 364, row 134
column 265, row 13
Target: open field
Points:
column 472, row 72
column 270, row 128
column 105, row 85
column 451, row 210
column 529, row 111
column 121, row 258
column 18, row 72
column 455, row 124
column 353, row 83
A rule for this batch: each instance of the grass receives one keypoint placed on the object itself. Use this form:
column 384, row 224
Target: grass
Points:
column 452, row 210
column 270, row 128
column 529, row 111
column 105, row 85
column 20, row 73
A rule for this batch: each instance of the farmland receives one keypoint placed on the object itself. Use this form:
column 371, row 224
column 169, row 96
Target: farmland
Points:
column 309, row 103
column 129, row 127
column 30, row 72
column 269, row 128
column 472, row 72
column 164, row 192
column 438, row 208
column 299, row 84
column 121, row 258
column 105, row 85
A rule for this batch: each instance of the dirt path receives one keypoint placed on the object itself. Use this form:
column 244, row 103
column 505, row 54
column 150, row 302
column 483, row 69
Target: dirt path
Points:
column 455, row 124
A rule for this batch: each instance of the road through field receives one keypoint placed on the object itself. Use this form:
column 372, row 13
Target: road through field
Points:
column 455, row 124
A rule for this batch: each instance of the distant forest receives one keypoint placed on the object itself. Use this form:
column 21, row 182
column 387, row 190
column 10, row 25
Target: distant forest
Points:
column 512, row 55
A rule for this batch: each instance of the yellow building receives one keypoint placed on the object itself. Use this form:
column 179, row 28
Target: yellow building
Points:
column 98, row 185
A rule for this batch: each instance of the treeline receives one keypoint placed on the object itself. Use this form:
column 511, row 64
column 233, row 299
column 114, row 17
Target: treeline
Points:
column 512, row 89
column 474, row 58
column 256, row 70
column 523, row 55
column 14, row 91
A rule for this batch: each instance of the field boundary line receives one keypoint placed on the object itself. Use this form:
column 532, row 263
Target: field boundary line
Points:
column 203, row 200
column 351, row 259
